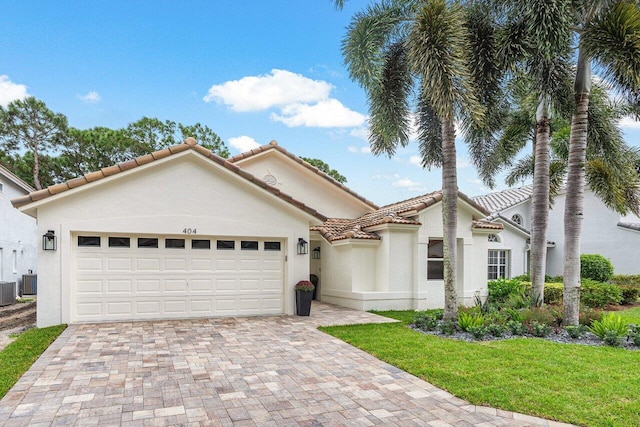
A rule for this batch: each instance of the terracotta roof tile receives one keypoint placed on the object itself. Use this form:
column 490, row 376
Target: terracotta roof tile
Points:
column 396, row 213
column 189, row 143
column 273, row 145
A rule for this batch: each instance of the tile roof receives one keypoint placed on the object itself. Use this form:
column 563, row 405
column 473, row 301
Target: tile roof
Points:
column 17, row 181
column 188, row 144
column 630, row 225
column 396, row 213
column 273, row 145
column 501, row 200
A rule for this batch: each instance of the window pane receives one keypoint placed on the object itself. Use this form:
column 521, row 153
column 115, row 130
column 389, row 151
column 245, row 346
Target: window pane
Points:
column 435, row 270
column 119, row 242
column 88, row 240
column 174, row 243
column 147, row 242
column 249, row 245
column 436, row 249
column 200, row 244
column 271, row 246
column 225, row 244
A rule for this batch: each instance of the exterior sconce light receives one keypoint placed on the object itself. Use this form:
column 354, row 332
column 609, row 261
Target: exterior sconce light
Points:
column 315, row 254
column 49, row 241
column 303, row 246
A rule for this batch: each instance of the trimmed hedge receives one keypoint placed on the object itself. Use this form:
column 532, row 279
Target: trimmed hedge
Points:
column 625, row 279
column 595, row 267
column 597, row 295
column 592, row 294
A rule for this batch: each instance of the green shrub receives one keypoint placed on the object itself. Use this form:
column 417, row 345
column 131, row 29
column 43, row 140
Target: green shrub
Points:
column 546, row 315
column 625, row 279
column 540, row 330
column 426, row 322
column 609, row 327
column 587, row 315
column 634, row 334
column 595, row 267
column 513, row 314
column 478, row 332
column 501, row 289
column 516, row 328
column 553, row 293
column 447, row 327
column 630, row 293
column 596, row 294
column 576, row 332
column 468, row 320
column 496, row 330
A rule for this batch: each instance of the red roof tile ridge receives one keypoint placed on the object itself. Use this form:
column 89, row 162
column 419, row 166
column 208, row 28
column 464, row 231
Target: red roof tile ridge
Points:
column 273, row 145
column 189, row 143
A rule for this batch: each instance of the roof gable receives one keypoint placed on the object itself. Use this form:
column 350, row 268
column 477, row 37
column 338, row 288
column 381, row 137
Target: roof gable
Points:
column 6, row 173
column 273, row 149
column 61, row 190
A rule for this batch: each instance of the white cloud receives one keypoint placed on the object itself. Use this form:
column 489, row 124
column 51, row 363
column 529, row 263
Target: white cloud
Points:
column 462, row 163
column 361, row 132
column 361, row 150
column 327, row 113
column 416, row 161
column 10, row 91
column 257, row 93
column 243, row 143
column 92, row 97
column 301, row 101
column 629, row 122
column 409, row 185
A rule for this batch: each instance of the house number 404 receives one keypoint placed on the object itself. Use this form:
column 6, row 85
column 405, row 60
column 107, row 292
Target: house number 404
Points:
column 189, row 231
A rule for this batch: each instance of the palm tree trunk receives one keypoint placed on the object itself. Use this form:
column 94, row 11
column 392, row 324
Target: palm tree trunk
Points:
column 449, row 218
column 540, row 203
column 574, row 203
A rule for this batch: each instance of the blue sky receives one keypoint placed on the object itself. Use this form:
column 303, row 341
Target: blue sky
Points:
column 253, row 71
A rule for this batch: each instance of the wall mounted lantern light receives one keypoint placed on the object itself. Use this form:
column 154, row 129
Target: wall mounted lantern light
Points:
column 49, row 241
column 303, row 246
column 315, row 254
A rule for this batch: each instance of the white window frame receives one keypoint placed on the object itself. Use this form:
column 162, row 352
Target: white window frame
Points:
column 500, row 261
column 517, row 218
column 14, row 261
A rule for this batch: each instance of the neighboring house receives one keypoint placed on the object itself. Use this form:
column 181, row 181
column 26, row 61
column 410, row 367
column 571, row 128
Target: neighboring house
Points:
column 604, row 232
column 184, row 233
column 18, row 232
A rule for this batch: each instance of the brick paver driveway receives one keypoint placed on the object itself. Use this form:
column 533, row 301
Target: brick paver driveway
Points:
column 264, row 371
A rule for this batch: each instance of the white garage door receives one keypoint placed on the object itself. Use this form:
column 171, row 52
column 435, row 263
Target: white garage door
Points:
column 121, row 277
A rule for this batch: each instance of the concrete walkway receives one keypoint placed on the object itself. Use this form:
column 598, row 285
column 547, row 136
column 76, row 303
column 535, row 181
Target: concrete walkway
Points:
column 258, row 371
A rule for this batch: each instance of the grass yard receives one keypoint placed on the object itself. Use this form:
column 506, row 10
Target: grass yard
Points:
column 18, row 356
column 592, row 386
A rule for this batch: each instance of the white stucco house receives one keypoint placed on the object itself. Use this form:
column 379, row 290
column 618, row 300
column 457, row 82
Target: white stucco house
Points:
column 184, row 233
column 18, row 232
column 604, row 232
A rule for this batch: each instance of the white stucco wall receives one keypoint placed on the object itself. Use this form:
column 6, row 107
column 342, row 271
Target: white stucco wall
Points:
column 305, row 185
column 600, row 235
column 162, row 198
column 18, row 234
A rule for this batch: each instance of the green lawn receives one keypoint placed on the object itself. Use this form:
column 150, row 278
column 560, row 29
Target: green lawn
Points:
column 18, row 356
column 593, row 386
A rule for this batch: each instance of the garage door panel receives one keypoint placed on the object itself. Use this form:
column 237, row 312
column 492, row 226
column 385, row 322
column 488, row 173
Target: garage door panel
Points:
column 119, row 286
column 118, row 264
column 175, row 285
column 119, row 308
column 148, row 264
column 128, row 283
column 148, row 307
column 89, row 287
column 90, row 263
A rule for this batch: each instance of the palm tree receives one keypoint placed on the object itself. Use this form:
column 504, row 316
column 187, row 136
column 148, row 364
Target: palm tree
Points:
column 535, row 48
column 413, row 58
column 609, row 34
